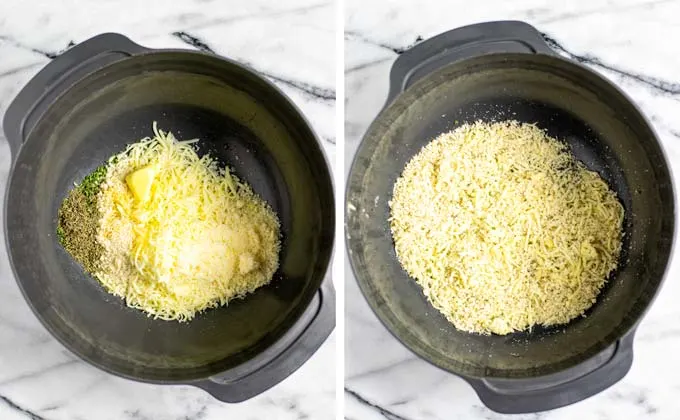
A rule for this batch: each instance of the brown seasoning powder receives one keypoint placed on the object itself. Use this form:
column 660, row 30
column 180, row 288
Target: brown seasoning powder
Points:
column 78, row 222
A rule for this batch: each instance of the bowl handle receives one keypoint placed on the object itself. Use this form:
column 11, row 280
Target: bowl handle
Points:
column 557, row 390
column 57, row 77
column 461, row 43
column 283, row 358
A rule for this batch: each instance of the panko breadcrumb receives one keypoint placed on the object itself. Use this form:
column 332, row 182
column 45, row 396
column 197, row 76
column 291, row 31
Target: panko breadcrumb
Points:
column 201, row 238
column 504, row 229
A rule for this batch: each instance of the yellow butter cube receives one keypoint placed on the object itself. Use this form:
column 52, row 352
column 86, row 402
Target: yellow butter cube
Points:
column 140, row 182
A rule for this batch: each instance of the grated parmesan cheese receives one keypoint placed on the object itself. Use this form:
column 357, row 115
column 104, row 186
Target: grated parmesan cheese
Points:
column 504, row 229
column 195, row 240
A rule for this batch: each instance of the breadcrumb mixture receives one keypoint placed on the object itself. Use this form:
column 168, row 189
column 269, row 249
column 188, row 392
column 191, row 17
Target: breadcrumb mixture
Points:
column 504, row 229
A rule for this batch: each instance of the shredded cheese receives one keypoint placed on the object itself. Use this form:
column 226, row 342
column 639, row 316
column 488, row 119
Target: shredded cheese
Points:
column 504, row 229
column 194, row 238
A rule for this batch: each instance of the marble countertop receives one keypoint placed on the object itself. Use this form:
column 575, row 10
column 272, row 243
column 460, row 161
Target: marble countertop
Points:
column 40, row 379
column 632, row 43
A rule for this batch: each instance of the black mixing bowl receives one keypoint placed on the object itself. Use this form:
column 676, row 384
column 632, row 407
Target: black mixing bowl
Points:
column 87, row 105
column 498, row 71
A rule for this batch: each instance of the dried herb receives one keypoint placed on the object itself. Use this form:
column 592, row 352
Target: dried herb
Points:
column 61, row 235
column 92, row 182
column 78, row 219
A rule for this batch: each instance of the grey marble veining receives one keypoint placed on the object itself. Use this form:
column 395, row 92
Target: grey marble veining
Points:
column 292, row 43
column 630, row 42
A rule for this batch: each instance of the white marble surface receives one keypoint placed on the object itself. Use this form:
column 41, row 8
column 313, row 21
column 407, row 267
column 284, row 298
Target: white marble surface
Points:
column 293, row 43
column 633, row 43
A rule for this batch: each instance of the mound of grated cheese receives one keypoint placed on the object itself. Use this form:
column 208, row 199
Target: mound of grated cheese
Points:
column 504, row 229
column 196, row 240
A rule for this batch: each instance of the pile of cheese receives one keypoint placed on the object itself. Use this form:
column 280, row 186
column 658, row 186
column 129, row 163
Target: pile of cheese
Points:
column 504, row 229
column 180, row 234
